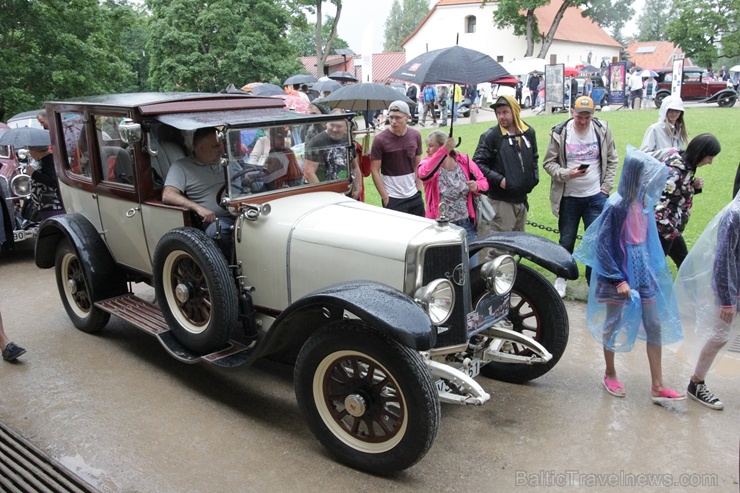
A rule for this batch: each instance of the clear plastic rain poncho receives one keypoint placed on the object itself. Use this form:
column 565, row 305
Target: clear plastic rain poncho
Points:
column 622, row 245
column 709, row 279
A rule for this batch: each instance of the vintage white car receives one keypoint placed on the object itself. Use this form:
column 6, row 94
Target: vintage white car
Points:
column 378, row 310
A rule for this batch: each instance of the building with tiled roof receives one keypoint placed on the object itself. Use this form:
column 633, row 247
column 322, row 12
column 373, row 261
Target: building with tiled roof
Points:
column 383, row 64
column 464, row 22
column 654, row 54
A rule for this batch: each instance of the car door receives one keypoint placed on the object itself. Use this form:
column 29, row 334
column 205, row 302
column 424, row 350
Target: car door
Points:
column 118, row 202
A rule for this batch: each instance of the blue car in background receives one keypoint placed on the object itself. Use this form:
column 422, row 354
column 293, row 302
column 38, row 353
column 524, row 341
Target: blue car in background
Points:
column 599, row 93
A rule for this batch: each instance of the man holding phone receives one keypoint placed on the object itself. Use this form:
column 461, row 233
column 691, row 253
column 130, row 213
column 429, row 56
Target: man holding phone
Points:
column 582, row 161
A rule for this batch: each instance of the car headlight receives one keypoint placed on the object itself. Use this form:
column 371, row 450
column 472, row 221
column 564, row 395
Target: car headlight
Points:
column 22, row 154
column 499, row 274
column 438, row 299
column 21, row 185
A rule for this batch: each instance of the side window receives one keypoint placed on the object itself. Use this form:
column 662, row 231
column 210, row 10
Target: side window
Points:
column 115, row 159
column 76, row 148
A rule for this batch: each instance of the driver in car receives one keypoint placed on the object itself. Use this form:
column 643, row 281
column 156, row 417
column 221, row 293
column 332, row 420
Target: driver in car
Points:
column 193, row 182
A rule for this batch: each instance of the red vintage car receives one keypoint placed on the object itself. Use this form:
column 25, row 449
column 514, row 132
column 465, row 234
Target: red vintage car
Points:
column 696, row 86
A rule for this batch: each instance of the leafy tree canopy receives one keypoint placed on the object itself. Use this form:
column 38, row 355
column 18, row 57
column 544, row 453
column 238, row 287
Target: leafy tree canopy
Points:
column 402, row 21
column 653, row 22
column 201, row 45
column 54, row 49
column 519, row 15
column 303, row 38
column 706, row 29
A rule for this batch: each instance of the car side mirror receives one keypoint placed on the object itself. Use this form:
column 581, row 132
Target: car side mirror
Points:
column 129, row 131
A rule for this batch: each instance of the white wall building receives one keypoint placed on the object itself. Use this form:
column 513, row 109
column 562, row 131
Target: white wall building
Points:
column 578, row 40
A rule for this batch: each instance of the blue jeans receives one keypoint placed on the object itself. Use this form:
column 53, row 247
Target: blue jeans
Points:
column 469, row 227
column 572, row 211
column 454, row 111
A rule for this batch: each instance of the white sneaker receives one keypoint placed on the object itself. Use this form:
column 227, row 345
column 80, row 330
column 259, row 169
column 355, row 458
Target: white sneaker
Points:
column 560, row 286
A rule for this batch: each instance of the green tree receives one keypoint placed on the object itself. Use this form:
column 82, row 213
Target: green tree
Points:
column 303, row 39
column 706, row 29
column 520, row 15
column 402, row 21
column 653, row 22
column 323, row 43
column 61, row 48
column 204, row 45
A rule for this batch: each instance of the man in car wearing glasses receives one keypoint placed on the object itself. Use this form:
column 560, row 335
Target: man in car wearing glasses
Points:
column 395, row 157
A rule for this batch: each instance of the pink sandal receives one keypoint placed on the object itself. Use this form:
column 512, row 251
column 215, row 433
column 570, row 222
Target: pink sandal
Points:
column 666, row 395
column 614, row 387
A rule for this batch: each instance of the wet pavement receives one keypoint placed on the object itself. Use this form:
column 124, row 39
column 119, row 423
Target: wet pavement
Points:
column 125, row 416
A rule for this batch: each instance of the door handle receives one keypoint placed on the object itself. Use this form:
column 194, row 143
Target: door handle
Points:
column 132, row 212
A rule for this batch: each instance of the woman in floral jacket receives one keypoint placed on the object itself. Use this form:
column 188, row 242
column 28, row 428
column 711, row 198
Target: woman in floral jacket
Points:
column 673, row 210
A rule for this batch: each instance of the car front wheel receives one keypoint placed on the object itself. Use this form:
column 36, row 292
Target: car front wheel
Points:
column 75, row 291
column 368, row 399
column 195, row 290
column 537, row 311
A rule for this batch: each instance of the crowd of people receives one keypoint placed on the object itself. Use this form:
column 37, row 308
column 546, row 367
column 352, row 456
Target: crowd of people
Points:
column 629, row 234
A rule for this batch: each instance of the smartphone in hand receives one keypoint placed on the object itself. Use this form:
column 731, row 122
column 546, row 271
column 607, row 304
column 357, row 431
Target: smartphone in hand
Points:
column 582, row 167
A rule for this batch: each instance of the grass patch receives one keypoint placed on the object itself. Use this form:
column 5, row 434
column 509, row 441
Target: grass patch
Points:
column 628, row 127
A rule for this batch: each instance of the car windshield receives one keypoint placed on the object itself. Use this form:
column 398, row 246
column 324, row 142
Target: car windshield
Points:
column 270, row 158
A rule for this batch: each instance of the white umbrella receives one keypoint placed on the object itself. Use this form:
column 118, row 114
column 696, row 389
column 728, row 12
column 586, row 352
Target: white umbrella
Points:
column 648, row 73
column 735, row 68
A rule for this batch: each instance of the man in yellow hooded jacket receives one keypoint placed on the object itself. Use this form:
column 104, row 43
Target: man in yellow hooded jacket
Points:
column 507, row 156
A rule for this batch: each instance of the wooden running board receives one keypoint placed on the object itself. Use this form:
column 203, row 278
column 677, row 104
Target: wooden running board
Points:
column 148, row 317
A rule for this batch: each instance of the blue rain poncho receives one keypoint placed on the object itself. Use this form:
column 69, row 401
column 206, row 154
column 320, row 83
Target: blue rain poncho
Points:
column 622, row 245
column 708, row 279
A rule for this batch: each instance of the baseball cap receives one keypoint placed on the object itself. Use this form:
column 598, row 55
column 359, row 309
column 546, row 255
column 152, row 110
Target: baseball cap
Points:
column 399, row 106
column 501, row 101
column 584, row 103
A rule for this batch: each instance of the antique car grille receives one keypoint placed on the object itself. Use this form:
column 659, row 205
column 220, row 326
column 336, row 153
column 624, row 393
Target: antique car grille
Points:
column 451, row 262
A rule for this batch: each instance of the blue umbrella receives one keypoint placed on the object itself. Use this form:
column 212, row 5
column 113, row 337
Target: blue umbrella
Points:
column 25, row 137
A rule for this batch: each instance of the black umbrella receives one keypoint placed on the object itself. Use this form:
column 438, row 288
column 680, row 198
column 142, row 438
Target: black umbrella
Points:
column 326, row 86
column 342, row 76
column 25, row 137
column 367, row 96
column 299, row 79
column 266, row 89
column 454, row 65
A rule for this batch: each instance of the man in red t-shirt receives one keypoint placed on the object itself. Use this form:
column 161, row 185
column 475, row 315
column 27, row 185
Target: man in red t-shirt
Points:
column 395, row 157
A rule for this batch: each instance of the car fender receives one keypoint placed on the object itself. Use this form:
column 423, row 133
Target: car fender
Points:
column 90, row 248
column 541, row 251
column 720, row 94
column 384, row 308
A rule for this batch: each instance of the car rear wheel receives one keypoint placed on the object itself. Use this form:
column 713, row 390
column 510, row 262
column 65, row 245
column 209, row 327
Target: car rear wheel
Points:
column 368, row 399
column 75, row 291
column 727, row 101
column 195, row 290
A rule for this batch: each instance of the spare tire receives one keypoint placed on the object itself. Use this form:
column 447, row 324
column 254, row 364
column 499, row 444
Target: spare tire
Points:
column 195, row 290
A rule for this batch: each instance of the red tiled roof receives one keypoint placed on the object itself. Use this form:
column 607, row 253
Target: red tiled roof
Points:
column 384, row 64
column 662, row 56
column 573, row 26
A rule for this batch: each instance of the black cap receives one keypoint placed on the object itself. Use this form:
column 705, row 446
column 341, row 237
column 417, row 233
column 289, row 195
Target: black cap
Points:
column 501, row 101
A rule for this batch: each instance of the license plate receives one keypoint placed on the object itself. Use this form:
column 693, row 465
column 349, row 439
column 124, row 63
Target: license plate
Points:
column 473, row 370
column 19, row 235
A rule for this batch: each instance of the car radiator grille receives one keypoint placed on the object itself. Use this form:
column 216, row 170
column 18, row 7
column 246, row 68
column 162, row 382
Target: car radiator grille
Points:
column 450, row 262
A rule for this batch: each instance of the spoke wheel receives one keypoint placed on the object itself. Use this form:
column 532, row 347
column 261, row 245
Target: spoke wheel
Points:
column 75, row 292
column 537, row 311
column 368, row 399
column 195, row 290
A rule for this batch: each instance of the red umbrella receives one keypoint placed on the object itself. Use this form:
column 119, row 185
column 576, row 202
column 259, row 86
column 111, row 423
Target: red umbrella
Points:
column 571, row 72
column 506, row 81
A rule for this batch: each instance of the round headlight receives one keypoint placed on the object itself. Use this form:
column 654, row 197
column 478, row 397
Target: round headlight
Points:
column 21, row 185
column 438, row 299
column 22, row 154
column 499, row 274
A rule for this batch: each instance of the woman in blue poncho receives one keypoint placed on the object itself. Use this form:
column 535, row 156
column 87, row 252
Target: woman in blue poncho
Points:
column 630, row 293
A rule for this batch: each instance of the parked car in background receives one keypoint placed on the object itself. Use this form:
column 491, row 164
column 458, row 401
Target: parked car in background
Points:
column 25, row 119
column 696, row 86
column 599, row 93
